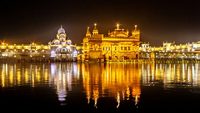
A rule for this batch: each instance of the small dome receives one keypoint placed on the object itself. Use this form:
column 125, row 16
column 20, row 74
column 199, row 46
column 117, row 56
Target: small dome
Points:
column 56, row 41
column 69, row 42
column 61, row 30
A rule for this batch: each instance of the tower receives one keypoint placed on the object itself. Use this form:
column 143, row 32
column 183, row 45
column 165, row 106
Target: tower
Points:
column 117, row 26
column 88, row 34
column 136, row 33
column 95, row 30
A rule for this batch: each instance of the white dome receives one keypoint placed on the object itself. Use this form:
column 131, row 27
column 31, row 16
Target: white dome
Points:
column 69, row 42
column 61, row 30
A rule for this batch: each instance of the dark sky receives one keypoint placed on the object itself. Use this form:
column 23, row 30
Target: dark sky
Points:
column 38, row 20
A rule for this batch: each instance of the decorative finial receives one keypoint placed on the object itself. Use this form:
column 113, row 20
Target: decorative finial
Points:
column 136, row 27
column 117, row 25
column 127, row 32
column 95, row 30
column 88, row 30
column 95, row 25
column 88, row 34
column 61, row 30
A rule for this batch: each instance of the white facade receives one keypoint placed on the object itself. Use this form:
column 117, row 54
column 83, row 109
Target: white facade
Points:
column 62, row 48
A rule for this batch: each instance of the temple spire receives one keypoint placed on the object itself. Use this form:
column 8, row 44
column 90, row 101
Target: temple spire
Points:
column 127, row 32
column 136, row 32
column 88, row 34
column 135, row 27
column 61, row 30
column 95, row 25
column 117, row 25
column 95, row 30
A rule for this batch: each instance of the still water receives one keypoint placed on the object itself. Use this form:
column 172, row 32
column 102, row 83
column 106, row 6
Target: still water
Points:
column 99, row 88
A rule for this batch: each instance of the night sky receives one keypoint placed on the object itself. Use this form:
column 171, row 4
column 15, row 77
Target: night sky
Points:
column 39, row 20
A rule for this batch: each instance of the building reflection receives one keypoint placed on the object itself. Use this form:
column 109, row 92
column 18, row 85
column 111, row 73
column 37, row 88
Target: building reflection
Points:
column 56, row 75
column 171, row 75
column 62, row 76
column 27, row 74
column 121, row 81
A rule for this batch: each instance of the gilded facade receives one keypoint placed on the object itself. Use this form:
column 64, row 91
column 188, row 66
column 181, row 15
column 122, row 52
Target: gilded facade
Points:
column 118, row 45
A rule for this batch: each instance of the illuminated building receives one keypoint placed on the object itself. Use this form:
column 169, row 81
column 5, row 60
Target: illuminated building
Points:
column 60, row 48
column 118, row 45
column 171, row 51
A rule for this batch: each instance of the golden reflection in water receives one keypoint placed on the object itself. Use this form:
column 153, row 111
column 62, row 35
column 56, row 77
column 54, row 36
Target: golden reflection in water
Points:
column 121, row 81
column 171, row 75
column 59, row 75
column 22, row 74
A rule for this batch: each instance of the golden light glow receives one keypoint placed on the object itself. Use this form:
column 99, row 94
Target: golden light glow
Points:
column 172, row 51
column 39, row 52
column 120, row 81
column 111, row 78
column 135, row 26
column 117, row 25
column 95, row 24
column 118, row 46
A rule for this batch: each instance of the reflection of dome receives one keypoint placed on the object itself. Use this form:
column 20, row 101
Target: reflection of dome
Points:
column 69, row 41
column 61, row 30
